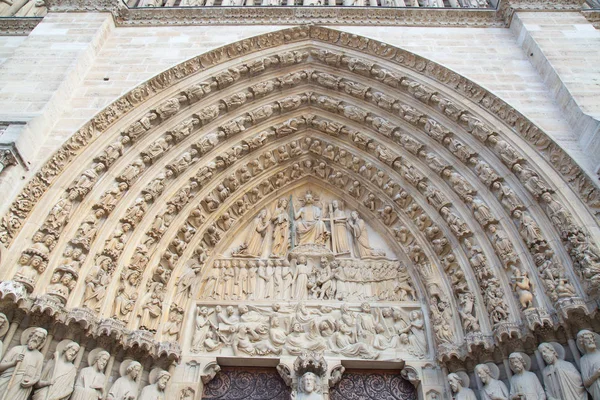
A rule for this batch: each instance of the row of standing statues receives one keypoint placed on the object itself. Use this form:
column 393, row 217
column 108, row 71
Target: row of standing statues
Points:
column 301, row 279
column 561, row 380
column 24, row 375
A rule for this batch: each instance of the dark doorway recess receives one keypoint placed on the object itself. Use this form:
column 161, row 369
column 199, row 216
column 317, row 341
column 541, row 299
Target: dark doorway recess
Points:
column 373, row 385
column 237, row 383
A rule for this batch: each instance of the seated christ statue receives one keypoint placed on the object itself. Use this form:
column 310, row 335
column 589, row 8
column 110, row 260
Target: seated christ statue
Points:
column 310, row 228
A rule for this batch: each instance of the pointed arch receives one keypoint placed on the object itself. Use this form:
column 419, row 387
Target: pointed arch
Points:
column 444, row 140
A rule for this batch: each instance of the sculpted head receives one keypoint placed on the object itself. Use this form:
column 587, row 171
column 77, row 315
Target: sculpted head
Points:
column 365, row 307
column 309, row 382
column 134, row 369
column 484, row 373
column 70, row 351
column 587, row 340
column 517, row 363
column 455, row 382
column 308, row 199
column 101, row 360
column 163, row 380
column 36, row 338
column 548, row 353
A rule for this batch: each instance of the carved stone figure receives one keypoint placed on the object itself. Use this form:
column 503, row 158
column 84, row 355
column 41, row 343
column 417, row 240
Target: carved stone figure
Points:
column 460, row 389
column 493, row 389
column 524, row 385
column 339, row 230
column 309, row 226
column 300, row 279
column 156, row 389
column 21, row 367
column 281, row 229
column 152, row 307
column 587, row 342
column 358, row 231
column 561, row 378
column 58, row 376
column 308, row 388
column 253, row 244
column 126, row 387
column 90, row 382
column 416, row 333
column 202, row 327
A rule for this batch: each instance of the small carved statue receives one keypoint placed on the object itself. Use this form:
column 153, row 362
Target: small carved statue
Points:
column 309, row 388
column 58, row 376
column 587, row 342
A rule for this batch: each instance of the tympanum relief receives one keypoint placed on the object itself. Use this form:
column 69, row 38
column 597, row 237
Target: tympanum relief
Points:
column 303, row 275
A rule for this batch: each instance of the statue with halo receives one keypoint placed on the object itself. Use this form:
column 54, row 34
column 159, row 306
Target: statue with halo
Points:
column 21, row 367
column 459, row 384
column 561, row 378
column 524, row 384
column 587, row 342
column 90, row 382
column 493, row 388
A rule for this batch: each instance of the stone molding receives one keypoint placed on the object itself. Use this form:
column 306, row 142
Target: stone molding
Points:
column 256, row 15
column 18, row 26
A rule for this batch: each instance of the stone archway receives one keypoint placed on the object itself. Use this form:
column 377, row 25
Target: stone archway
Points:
column 492, row 222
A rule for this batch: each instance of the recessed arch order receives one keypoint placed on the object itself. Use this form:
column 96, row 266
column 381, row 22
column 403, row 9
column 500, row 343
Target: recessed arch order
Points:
column 494, row 221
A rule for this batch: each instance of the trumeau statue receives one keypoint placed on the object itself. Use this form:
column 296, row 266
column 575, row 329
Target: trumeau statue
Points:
column 524, row 385
column 561, row 378
column 587, row 342
column 493, row 388
column 309, row 387
column 90, row 382
column 21, row 367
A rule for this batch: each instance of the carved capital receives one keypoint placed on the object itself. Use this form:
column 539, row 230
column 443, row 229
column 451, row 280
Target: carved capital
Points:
column 7, row 158
column 210, row 371
column 412, row 375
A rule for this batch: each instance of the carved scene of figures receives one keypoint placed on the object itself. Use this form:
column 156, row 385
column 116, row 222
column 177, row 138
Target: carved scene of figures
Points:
column 307, row 278
column 351, row 330
column 306, row 220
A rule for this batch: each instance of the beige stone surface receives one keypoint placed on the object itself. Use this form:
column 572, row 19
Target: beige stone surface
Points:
column 563, row 48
